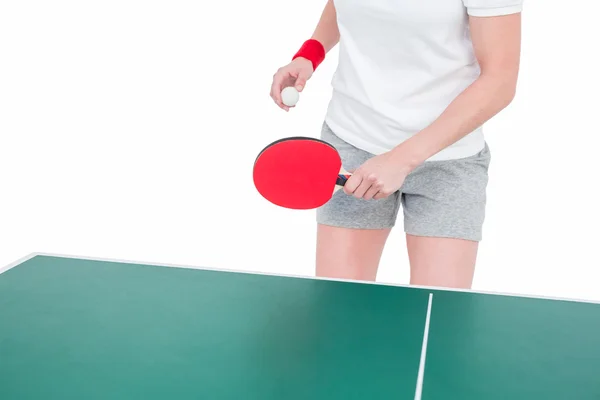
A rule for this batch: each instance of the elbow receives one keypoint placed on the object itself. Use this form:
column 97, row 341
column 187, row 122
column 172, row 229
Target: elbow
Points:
column 508, row 91
column 503, row 88
column 504, row 97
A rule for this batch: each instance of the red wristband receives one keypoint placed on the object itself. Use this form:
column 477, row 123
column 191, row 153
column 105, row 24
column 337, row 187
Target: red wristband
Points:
column 313, row 51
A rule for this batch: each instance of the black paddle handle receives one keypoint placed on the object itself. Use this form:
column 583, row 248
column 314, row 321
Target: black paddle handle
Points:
column 342, row 179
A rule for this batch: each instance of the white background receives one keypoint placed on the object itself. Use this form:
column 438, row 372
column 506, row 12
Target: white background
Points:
column 128, row 130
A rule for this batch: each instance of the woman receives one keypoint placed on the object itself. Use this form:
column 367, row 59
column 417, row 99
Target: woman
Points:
column 414, row 84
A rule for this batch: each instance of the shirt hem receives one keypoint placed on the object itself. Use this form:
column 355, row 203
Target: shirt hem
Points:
column 453, row 152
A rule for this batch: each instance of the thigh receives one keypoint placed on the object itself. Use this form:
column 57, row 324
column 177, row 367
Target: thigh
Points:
column 347, row 253
column 444, row 211
column 441, row 262
column 352, row 232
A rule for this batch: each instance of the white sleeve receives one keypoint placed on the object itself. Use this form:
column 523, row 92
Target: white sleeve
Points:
column 492, row 8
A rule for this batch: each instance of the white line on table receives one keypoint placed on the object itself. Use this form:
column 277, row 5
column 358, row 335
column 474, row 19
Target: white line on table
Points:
column 424, row 351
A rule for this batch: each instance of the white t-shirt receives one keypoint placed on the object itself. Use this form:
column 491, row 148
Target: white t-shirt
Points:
column 401, row 63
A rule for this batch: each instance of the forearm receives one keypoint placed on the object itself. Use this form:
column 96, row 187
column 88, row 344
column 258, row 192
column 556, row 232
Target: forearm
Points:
column 327, row 32
column 497, row 45
column 483, row 99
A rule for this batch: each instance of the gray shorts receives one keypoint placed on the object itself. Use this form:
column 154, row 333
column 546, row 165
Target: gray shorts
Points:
column 439, row 198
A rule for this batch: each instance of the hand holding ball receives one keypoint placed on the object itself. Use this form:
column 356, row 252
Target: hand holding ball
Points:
column 290, row 96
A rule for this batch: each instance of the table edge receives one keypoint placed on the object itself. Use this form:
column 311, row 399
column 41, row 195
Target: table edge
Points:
column 253, row 272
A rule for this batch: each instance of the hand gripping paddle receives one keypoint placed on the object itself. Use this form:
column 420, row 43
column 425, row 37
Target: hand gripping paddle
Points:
column 299, row 173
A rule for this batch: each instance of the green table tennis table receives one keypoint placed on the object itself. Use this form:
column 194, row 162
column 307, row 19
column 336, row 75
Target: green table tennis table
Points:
column 78, row 328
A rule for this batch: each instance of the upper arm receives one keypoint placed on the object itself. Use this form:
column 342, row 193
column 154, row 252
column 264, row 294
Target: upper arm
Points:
column 495, row 27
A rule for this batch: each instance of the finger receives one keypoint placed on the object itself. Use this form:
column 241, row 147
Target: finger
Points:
column 276, row 88
column 280, row 104
column 382, row 194
column 373, row 191
column 301, row 80
column 352, row 184
column 362, row 189
column 365, row 186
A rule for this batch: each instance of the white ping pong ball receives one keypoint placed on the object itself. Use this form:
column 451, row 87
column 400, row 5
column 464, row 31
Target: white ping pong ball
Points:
column 290, row 96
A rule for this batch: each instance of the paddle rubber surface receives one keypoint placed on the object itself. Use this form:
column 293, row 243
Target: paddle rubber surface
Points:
column 297, row 173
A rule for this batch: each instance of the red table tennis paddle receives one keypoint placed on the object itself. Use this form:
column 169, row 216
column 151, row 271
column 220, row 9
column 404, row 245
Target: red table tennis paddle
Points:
column 299, row 172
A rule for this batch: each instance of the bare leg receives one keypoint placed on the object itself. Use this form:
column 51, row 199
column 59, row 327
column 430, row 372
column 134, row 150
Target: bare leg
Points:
column 441, row 262
column 349, row 253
